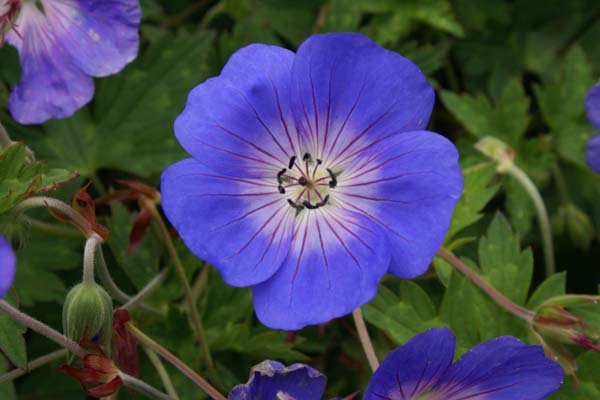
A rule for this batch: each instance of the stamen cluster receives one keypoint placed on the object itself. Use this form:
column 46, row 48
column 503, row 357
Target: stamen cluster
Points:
column 8, row 10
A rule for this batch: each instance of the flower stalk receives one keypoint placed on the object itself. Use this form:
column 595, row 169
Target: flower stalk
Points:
column 89, row 256
column 37, row 363
column 191, row 304
column 491, row 291
column 365, row 339
column 176, row 362
column 504, row 156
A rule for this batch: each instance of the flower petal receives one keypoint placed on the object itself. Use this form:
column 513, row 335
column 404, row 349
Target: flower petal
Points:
column 8, row 263
column 239, row 123
column 336, row 262
column 272, row 380
column 243, row 227
column 100, row 36
column 51, row 85
column 593, row 153
column 348, row 92
column 501, row 369
column 413, row 368
column 409, row 184
column 592, row 105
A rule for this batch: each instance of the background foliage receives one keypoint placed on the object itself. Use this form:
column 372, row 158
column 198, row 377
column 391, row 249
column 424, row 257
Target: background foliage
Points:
column 518, row 70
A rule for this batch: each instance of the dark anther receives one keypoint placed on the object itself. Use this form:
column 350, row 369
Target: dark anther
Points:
column 292, row 161
column 310, row 206
column 319, row 161
column 306, row 157
column 294, row 205
column 325, row 200
column 279, row 176
column 281, row 189
column 303, row 181
column 333, row 182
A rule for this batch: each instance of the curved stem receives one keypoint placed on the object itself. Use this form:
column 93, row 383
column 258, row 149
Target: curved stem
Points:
column 146, row 291
column 162, row 373
column 42, row 329
column 191, row 304
column 49, row 202
column 38, row 362
column 89, row 256
column 114, row 290
column 142, row 387
column 365, row 339
column 176, row 362
column 498, row 297
column 542, row 215
column 52, row 229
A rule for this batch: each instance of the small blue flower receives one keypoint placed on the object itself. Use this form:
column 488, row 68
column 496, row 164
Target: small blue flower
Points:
column 62, row 45
column 499, row 369
column 592, row 106
column 7, row 266
column 272, row 380
column 312, row 176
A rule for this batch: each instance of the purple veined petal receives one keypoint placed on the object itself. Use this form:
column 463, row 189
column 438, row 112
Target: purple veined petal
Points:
column 272, row 380
column 348, row 92
column 409, row 185
column 592, row 105
column 101, row 36
column 240, row 123
column 8, row 263
column 593, row 153
column 500, row 369
column 241, row 226
column 334, row 266
column 51, row 85
column 414, row 368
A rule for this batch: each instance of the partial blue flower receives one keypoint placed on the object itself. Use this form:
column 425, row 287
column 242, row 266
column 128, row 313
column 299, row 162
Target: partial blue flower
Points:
column 312, row 175
column 592, row 106
column 272, row 380
column 499, row 369
column 62, row 44
column 8, row 264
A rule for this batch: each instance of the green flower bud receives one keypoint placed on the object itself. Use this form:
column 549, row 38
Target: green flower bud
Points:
column 87, row 314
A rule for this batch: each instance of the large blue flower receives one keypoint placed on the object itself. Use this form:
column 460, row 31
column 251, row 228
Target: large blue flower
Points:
column 592, row 106
column 312, row 176
column 499, row 369
column 272, row 380
column 62, row 44
column 7, row 266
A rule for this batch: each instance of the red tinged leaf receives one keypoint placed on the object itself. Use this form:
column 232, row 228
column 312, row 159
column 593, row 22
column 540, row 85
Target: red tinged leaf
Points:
column 140, row 227
column 124, row 344
column 83, row 375
column 105, row 390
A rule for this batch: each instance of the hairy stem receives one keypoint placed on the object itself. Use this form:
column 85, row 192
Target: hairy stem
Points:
column 498, row 297
column 42, row 329
column 176, row 362
column 57, row 205
column 146, row 291
column 52, row 229
column 89, row 256
column 142, row 387
column 365, row 339
column 191, row 304
column 542, row 214
column 162, row 373
column 38, row 362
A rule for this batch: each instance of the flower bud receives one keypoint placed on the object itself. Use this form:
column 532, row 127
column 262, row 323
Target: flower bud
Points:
column 575, row 223
column 497, row 150
column 87, row 314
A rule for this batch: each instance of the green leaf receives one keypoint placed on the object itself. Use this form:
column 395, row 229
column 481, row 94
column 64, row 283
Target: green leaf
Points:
column 561, row 101
column 12, row 342
column 506, row 119
column 588, row 386
column 478, row 191
column 20, row 179
column 555, row 285
column 7, row 389
column 401, row 316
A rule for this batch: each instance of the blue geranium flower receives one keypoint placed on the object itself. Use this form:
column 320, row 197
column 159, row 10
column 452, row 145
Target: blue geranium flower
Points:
column 312, row 176
column 62, row 44
column 272, row 380
column 7, row 266
column 499, row 369
column 592, row 106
